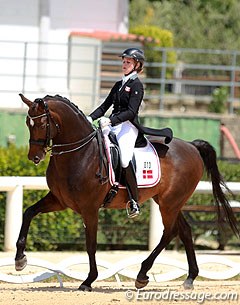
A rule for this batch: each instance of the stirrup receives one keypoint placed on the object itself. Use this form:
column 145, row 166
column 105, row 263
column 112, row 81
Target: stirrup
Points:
column 134, row 209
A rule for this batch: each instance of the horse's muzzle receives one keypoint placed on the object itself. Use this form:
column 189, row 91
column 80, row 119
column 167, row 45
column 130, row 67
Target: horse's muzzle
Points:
column 36, row 160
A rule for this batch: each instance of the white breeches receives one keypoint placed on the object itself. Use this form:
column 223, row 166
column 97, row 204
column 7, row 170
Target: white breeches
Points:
column 126, row 134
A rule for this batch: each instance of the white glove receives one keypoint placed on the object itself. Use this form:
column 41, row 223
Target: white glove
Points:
column 89, row 119
column 104, row 122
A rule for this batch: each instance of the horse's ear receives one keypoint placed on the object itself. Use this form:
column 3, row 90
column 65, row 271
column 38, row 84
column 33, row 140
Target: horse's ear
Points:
column 25, row 100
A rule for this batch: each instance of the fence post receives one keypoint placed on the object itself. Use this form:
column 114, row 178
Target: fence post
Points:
column 155, row 226
column 24, row 67
column 13, row 217
column 232, row 81
column 163, row 79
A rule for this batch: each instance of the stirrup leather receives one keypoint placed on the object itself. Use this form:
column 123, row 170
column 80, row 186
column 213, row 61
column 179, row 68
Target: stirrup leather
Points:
column 110, row 195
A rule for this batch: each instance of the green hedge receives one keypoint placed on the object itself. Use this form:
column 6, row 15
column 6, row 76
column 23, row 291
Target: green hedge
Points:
column 64, row 230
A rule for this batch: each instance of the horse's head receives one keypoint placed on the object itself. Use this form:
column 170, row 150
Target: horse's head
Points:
column 42, row 127
column 55, row 118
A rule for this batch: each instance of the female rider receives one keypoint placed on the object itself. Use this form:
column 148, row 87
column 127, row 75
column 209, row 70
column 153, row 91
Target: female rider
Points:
column 125, row 97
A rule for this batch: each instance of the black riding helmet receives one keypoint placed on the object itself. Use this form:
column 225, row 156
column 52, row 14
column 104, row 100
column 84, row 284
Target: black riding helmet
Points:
column 136, row 54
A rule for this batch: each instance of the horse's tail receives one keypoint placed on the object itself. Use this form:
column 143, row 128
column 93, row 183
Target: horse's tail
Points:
column 209, row 158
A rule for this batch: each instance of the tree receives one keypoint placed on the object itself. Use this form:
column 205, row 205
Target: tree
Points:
column 212, row 24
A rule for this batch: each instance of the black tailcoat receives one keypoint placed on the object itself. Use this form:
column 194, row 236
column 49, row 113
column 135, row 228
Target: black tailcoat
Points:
column 126, row 101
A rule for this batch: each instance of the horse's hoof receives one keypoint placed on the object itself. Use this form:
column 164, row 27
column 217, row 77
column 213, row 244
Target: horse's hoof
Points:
column 141, row 283
column 20, row 264
column 85, row 288
column 188, row 284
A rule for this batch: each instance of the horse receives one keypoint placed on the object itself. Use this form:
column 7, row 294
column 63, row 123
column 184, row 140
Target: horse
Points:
column 78, row 180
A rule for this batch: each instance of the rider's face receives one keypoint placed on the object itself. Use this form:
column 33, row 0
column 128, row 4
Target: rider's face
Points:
column 128, row 65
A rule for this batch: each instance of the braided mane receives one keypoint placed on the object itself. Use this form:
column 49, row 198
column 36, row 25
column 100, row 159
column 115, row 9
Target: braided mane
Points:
column 60, row 98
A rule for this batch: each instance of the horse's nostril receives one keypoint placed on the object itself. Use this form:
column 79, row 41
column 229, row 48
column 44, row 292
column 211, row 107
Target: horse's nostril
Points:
column 36, row 160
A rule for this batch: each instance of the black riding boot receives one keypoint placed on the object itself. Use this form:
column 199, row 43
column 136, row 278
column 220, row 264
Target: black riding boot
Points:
column 131, row 185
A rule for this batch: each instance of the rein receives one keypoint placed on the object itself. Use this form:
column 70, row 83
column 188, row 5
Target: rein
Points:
column 82, row 143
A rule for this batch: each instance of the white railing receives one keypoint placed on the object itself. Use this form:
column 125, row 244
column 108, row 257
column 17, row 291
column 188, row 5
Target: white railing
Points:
column 123, row 267
column 33, row 60
column 14, row 186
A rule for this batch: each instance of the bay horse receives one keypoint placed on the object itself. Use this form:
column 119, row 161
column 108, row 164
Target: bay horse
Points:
column 57, row 124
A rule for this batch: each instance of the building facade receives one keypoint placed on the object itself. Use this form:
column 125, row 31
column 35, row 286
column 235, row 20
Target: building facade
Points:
column 34, row 45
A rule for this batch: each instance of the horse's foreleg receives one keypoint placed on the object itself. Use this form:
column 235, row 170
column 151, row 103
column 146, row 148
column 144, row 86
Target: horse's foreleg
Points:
column 91, row 224
column 170, row 231
column 47, row 204
column 185, row 235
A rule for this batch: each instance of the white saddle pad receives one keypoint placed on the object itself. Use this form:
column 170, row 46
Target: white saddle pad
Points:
column 148, row 170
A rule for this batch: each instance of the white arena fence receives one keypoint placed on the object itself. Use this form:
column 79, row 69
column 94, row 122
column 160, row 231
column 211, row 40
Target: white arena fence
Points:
column 125, row 267
column 14, row 186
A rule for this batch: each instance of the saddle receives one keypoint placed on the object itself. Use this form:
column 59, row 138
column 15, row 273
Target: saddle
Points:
column 145, row 162
column 115, row 156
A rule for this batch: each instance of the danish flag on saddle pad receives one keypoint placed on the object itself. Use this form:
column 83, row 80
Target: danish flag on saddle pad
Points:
column 147, row 174
column 148, row 170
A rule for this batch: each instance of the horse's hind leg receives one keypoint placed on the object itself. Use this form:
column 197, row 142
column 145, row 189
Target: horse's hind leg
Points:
column 185, row 235
column 49, row 203
column 181, row 227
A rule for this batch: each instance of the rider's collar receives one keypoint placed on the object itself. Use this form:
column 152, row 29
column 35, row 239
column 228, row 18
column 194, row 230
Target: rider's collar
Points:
column 132, row 75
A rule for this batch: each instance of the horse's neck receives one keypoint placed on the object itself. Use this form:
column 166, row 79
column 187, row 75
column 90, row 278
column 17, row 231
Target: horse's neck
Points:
column 73, row 125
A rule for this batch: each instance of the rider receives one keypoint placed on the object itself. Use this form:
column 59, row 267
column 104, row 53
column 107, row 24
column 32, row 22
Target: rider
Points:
column 126, row 97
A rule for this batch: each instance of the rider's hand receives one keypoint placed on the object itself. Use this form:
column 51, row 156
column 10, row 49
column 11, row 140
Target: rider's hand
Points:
column 104, row 122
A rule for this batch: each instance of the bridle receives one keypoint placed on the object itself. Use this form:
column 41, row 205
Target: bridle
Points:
column 77, row 145
column 46, row 142
column 43, row 142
